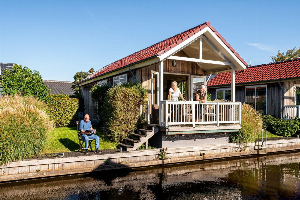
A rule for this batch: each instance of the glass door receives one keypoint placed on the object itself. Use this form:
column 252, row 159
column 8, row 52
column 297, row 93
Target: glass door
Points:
column 196, row 82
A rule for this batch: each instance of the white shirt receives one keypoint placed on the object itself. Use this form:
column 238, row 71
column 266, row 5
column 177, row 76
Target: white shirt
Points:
column 174, row 95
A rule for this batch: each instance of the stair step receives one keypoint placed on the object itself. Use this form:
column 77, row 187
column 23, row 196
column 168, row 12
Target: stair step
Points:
column 125, row 145
column 132, row 140
column 137, row 135
column 151, row 125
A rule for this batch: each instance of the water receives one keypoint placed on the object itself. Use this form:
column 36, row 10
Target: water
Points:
column 265, row 177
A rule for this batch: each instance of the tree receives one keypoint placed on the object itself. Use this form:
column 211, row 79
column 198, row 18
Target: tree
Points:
column 289, row 55
column 78, row 77
column 24, row 81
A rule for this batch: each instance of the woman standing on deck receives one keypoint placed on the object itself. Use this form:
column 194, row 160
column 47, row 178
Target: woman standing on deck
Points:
column 201, row 95
column 174, row 92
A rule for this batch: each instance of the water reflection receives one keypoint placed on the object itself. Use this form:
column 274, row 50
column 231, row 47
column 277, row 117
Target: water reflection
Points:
column 270, row 177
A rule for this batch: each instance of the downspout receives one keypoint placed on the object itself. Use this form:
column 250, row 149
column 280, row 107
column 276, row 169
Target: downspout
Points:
column 281, row 97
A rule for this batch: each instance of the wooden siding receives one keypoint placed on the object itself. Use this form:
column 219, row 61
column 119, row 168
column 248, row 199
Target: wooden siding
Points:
column 274, row 99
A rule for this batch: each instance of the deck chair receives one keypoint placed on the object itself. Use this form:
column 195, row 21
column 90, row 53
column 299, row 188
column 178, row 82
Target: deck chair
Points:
column 81, row 141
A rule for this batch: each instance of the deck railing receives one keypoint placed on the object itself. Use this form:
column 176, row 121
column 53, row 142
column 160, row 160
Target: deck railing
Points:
column 291, row 111
column 196, row 113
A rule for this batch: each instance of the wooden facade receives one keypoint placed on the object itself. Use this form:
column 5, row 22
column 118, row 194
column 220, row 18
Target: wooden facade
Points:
column 280, row 93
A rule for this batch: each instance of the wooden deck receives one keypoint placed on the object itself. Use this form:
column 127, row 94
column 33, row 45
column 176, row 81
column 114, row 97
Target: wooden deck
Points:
column 173, row 130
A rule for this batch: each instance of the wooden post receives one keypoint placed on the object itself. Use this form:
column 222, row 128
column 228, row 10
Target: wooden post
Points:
column 152, row 87
column 193, row 114
column 161, row 91
column 200, row 49
column 233, row 84
column 218, row 116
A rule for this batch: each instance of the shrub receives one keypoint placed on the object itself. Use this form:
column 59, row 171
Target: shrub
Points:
column 251, row 125
column 120, row 108
column 22, row 80
column 281, row 127
column 23, row 127
column 62, row 109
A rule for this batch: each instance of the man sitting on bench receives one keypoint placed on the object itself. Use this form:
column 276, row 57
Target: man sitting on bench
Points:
column 87, row 132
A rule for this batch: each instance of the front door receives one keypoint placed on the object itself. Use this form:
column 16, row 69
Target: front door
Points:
column 195, row 85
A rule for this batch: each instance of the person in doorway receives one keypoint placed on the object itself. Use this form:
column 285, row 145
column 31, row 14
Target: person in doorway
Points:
column 88, row 132
column 174, row 93
column 201, row 95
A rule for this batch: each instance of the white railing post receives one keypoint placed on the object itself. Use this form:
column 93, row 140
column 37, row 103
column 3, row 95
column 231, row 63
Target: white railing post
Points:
column 159, row 113
column 193, row 114
column 298, row 113
column 217, row 113
column 240, row 113
column 166, row 112
column 148, row 113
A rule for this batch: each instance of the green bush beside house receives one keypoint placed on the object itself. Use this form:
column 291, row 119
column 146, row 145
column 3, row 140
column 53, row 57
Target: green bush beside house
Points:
column 62, row 109
column 119, row 108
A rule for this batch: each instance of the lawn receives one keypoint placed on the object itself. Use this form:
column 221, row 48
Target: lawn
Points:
column 65, row 139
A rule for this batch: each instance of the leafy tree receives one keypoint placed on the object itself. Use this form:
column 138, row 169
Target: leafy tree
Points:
column 24, row 81
column 78, row 77
column 289, row 55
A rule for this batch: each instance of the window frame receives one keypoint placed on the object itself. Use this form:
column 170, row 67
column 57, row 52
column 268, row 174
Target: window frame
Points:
column 222, row 89
column 118, row 77
column 256, row 86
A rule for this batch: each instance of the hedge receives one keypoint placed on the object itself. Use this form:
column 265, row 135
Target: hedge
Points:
column 62, row 109
column 281, row 127
column 23, row 127
column 119, row 108
column 251, row 125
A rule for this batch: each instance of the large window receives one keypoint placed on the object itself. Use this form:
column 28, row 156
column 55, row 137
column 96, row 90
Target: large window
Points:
column 257, row 97
column 119, row 80
column 224, row 93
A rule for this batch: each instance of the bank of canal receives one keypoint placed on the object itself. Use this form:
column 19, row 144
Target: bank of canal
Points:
column 274, row 176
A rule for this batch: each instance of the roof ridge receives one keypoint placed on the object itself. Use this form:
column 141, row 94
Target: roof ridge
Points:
column 260, row 65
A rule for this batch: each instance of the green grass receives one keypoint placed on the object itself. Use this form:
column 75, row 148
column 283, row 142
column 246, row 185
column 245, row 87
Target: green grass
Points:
column 65, row 139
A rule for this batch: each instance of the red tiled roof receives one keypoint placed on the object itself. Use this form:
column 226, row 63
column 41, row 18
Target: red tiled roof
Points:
column 259, row 73
column 159, row 49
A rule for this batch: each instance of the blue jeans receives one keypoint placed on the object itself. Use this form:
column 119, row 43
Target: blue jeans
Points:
column 93, row 137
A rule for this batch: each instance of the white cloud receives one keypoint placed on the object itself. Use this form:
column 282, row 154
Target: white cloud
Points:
column 263, row 47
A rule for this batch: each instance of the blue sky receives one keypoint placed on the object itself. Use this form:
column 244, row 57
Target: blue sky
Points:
column 59, row 37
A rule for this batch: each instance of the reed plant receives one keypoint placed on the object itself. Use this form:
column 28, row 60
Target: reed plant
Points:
column 24, row 124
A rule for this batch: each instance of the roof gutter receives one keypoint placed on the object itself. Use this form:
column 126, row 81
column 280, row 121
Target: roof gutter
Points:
column 84, row 82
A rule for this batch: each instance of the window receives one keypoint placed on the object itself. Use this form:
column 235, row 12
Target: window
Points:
column 119, row 80
column 223, row 94
column 103, row 82
column 256, row 96
column 297, row 94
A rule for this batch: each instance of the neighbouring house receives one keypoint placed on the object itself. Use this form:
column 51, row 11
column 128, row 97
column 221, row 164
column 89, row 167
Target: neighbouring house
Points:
column 188, row 58
column 60, row 87
column 270, row 88
column 4, row 66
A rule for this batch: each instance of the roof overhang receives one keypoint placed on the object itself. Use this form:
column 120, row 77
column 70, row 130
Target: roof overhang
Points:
column 228, row 57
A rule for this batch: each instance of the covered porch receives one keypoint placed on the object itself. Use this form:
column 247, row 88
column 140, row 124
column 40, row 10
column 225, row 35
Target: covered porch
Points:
column 209, row 55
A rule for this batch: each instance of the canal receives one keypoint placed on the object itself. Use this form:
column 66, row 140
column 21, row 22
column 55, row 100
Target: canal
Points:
column 274, row 176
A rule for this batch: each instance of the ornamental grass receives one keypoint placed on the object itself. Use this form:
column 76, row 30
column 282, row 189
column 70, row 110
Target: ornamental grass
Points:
column 24, row 124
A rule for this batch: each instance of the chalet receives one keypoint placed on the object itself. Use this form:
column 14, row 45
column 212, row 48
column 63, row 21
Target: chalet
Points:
column 270, row 88
column 188, row 58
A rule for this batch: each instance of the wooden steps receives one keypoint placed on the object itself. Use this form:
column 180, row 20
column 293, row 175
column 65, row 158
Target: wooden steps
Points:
column 137, row 139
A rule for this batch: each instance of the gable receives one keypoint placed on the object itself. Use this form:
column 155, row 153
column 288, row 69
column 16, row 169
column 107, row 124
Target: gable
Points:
column 184, row 41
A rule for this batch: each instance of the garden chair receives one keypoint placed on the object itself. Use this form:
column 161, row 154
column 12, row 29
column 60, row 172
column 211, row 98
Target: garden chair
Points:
column 81, row 141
